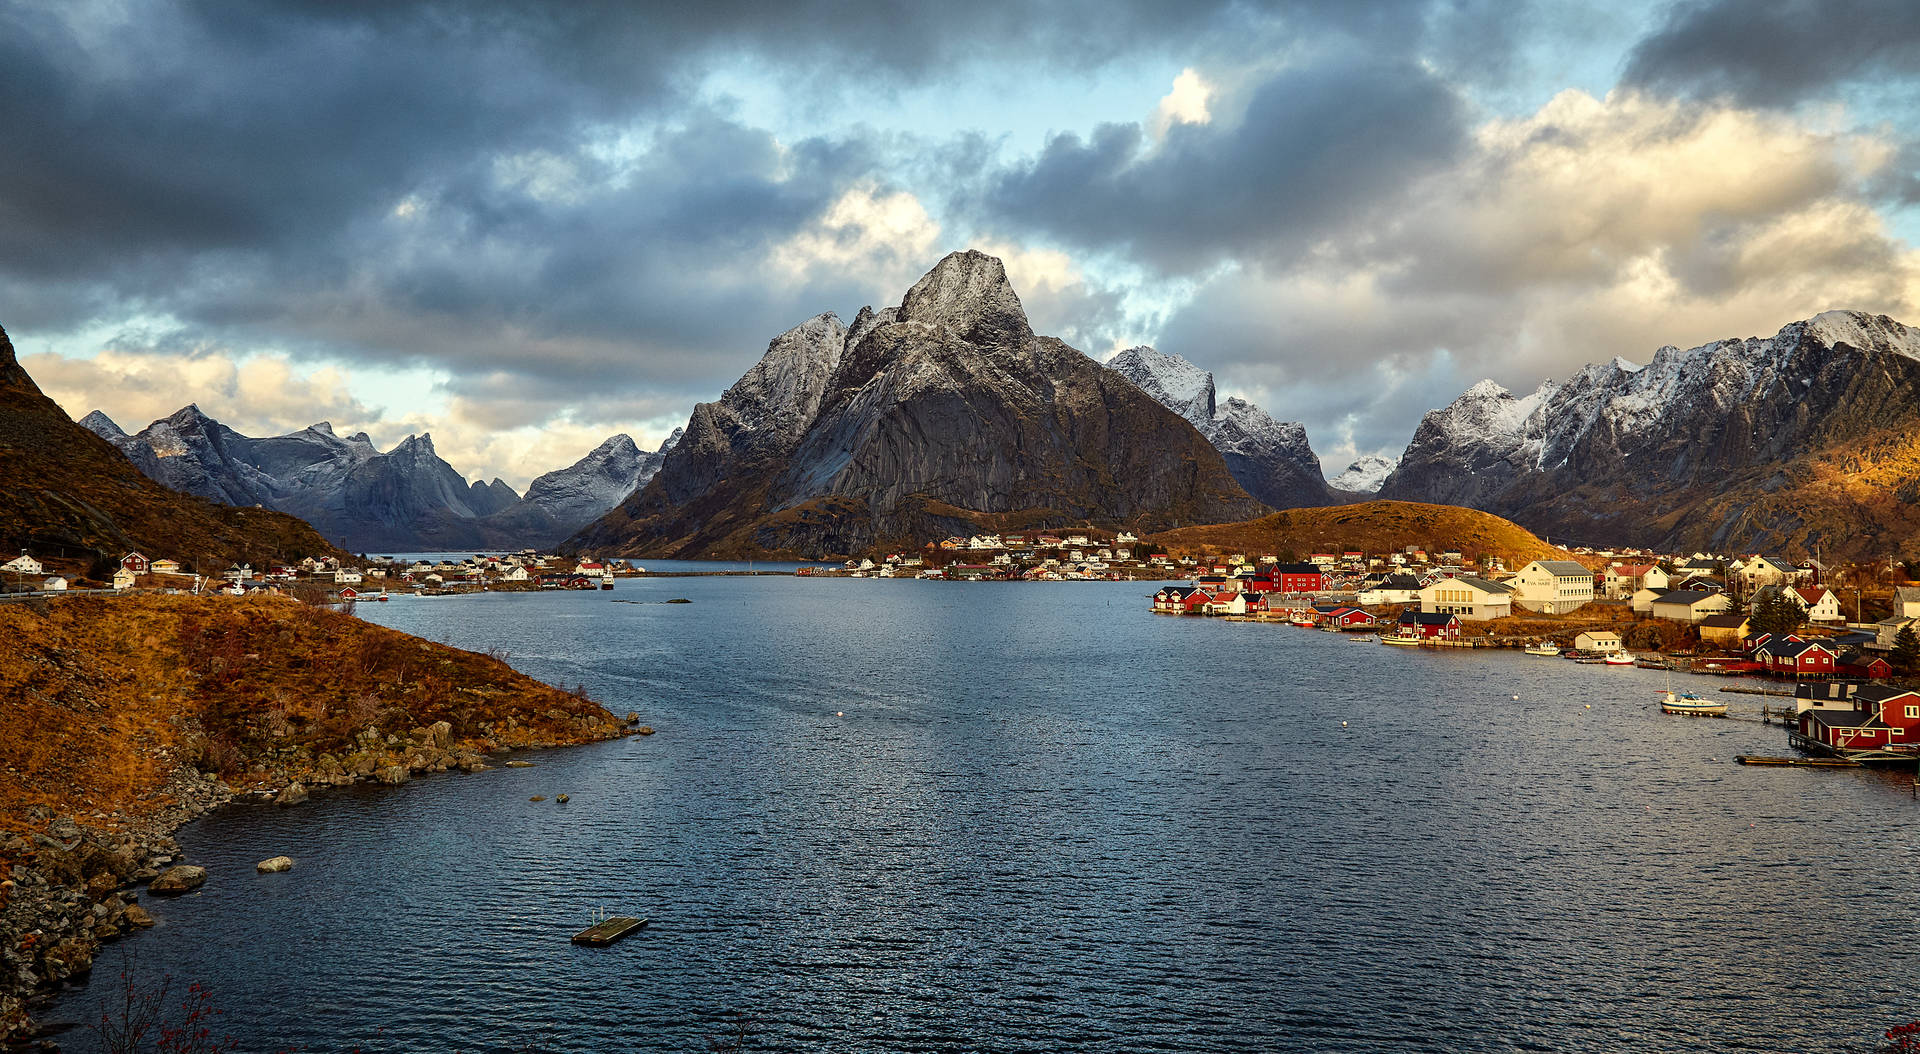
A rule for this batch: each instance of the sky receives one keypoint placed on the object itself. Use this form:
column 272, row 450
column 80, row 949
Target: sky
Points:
column 524, row 228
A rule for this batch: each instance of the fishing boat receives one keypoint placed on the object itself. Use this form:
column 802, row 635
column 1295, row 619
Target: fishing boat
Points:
column 1687, row 703
column 1395, row 638
column 1618, row 658
column 1543, row 649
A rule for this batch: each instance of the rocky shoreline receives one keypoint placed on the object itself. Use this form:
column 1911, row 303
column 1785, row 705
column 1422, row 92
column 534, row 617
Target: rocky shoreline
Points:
column 77, row 883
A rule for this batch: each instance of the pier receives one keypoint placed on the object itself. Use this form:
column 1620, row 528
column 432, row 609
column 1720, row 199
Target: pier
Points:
column 606, row 931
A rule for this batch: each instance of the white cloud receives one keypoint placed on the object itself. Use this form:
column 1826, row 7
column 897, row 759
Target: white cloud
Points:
column 1187, row 103
column 1591, row 228
column 885, row 237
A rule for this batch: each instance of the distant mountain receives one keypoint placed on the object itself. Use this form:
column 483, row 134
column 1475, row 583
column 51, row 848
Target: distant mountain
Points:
column 1809, row 439
column 407, row 498
column 944, row 414
column 66, row 491
column 1365, row 475
column 565, row 500
column 1270, row 458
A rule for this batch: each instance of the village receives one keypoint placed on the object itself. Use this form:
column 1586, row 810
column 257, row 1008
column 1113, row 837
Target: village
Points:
column 322, row 578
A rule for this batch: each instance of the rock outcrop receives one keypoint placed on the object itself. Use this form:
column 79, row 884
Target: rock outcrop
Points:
column 1271, row 459
column 1809, row 439
column 941, row 415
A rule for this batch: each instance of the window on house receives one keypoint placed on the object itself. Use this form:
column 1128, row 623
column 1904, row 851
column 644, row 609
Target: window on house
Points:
column 1913, row 711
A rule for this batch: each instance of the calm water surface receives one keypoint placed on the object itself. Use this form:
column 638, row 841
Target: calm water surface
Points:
column 905, row 816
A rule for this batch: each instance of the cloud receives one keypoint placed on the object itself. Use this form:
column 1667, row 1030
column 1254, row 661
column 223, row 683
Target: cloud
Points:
column 1776, row 52
column 253, row 395
column 1587, row 229
column 1185, row 104
column 1313, row 147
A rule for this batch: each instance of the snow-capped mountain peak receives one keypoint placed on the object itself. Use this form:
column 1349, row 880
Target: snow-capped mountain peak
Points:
column 1365, row 475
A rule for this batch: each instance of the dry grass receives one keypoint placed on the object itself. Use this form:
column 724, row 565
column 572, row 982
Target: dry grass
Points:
column 1371, row 527
column 104, row 697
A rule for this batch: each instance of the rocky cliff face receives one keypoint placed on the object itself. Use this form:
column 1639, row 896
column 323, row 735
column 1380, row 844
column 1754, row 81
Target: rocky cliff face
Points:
column 1271, row 459
column 1804, row 439
column 939, row 415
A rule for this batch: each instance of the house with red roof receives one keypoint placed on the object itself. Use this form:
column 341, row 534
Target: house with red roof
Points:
column 1882, row 719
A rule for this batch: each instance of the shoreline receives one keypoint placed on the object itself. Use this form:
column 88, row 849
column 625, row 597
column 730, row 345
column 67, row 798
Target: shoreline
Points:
column 76, row 886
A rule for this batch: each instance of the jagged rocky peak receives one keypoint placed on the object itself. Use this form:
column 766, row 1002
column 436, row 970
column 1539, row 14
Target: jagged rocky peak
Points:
column 968, row 293
column 1365, row 475
column 10, row 371
column 103, row 426
column 672, row 440
column 783, row 389
column 1173, row 382
column 1861, row 330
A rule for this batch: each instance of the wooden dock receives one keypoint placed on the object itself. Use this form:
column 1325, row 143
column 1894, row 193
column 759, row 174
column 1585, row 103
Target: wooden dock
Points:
column 1818, row 763
column 607, row 931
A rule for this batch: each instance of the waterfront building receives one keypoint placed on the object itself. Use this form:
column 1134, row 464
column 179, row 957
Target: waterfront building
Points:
column 1553, row 587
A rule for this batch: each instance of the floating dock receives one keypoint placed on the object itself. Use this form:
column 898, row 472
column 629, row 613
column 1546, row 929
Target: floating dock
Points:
column 607, row 931
column 1823, row 763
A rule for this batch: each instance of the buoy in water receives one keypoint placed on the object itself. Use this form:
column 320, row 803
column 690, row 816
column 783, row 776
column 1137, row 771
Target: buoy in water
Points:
column 1516, row 697
column 839, row 713
column 1589, row 706
column 1343, row 724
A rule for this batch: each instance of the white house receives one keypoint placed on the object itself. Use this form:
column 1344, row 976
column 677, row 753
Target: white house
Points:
column 23, row 564
column 1642, row 600
column 1906, row 602
column 56, row 584
column 123, row 579
column 1553, row 587
column 1624, row 580
column 1760, row 571
column 1473, row 599
column 1391, row 589
column 516, row 573
column 1603, row 641
column 346, row 577
column 166, row 567
column 1690, row 606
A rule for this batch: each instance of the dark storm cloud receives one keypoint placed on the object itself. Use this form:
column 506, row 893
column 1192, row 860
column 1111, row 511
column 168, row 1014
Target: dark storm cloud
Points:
column 1316, row 147
column 1777, row 52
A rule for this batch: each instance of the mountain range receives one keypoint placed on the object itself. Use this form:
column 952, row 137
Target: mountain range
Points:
column 945, row 414
column 66, row 492
column 404, row 499
column 1271, row 459
column 1808, row 440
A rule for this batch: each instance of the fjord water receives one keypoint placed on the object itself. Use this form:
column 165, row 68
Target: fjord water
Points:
column 906, row 816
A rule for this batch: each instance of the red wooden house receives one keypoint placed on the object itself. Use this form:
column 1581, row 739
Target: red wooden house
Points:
column 1857, row 663
column 137, row 563
column 1429, row 626
column 1344, row 617
column 1296, row 578
column 1797, row 658
column 1883, row 719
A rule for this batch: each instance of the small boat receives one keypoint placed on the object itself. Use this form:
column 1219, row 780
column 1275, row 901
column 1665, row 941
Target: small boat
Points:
column 1673, row 702
column 382, row 598
column 1363, row 639
column 1653, row 664
column 1543, row 649
column 1618, row 658
column 1394, row 638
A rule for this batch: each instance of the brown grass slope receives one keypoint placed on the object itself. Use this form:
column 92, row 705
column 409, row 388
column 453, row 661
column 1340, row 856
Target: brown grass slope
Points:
column 1372, row 527
column 66, row 492
column 104, row 697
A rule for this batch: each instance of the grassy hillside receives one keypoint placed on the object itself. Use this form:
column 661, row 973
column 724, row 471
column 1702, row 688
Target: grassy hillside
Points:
column 105, row 697
column 67, row 493
column 1372, row 527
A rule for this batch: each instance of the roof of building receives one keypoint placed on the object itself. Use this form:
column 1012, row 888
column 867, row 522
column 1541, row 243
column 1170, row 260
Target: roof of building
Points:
column 1723, row 622
column 1486, row 585
column 1790, row 649
column 1563, row 567
column 1879, row 694
column 1906, row 594
column 1297, row 569
column 1426, row 618
column 1845, row 718
column 1688, row 597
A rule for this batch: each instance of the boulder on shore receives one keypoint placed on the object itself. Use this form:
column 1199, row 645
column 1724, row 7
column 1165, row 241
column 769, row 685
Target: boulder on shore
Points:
column 393, row 775
column 295, row 794
column 274, row 865
column 137, row 916
column 174, row 881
